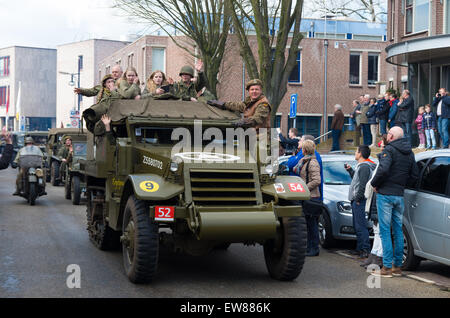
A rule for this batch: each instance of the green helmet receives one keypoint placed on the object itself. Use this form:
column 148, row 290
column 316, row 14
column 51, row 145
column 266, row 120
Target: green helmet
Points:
column 29, row 140
column 187, row 70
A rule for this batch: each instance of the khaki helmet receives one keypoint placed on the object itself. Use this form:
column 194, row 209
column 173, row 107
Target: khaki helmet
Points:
column 105, row 78
column 187, row 70
column 29, row 140
column 65, row 138
column 253, row 82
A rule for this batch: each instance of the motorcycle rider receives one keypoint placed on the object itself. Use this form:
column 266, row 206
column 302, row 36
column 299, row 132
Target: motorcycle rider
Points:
column 29, row 149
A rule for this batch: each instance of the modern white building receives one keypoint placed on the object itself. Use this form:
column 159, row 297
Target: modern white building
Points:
column 27, row 88
column 84, row 57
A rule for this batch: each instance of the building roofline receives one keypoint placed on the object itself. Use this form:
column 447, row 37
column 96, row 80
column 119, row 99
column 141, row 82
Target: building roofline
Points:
column 104, row 40
column 27, row 47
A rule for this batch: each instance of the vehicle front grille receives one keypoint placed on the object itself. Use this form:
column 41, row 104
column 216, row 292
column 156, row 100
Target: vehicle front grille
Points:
column 223, row 187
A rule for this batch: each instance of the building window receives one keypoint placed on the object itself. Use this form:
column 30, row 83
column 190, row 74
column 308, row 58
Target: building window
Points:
column 392, row 19
column 158, row 58
column 355, row 68
column 4, row 95
column 306, row 125
column 131, row 59
column 372, row 70
column 4, row 66
column 296, row 74
column 416, row 15
column 108, row 70
column 277, row 121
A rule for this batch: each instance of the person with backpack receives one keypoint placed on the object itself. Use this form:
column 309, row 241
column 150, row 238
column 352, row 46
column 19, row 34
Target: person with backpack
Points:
column 360, row 177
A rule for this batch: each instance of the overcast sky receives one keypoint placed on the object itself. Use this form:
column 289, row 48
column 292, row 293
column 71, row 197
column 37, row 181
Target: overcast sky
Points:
column 48, row 23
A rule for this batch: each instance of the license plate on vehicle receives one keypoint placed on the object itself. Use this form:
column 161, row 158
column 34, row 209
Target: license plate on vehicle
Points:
column 164, row 213
column 296, row 187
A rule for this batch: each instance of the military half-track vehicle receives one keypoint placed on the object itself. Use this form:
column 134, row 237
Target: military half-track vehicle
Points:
column 54, row 143
column 143, row 192
column 73, row 178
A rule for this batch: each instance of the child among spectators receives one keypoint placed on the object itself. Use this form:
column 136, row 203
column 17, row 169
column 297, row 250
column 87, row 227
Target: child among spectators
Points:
column 420, row 129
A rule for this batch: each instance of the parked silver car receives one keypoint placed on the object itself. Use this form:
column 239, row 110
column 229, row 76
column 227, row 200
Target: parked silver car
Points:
column 426, row 221
column 336, row 222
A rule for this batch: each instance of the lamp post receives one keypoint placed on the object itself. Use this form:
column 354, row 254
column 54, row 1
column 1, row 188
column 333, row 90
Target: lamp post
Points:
column 72, row 83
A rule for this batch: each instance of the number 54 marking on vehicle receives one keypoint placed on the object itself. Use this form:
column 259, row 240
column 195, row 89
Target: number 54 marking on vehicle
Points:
column 296, row 187
column 164, row 213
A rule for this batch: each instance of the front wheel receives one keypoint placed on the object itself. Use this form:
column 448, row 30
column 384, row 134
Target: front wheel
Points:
column 285, row 255
column 32, row 193
column 67, row 188
column 326, row 238
column 140, row 242
column 54, row 173
column 75, row 190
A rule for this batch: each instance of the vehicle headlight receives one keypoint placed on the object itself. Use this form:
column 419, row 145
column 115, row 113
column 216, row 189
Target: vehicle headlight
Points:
column 344, row 207
column 174, row 166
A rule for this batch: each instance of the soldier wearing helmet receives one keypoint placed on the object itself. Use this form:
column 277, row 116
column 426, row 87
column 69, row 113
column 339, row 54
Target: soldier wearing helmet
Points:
column 116, row 74
column 255, row 108
column 29, row 149
column 188, row 88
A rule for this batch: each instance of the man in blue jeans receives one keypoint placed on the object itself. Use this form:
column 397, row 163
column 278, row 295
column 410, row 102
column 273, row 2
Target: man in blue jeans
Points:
column 360, row 177
column 397, row 168
column 442, row 104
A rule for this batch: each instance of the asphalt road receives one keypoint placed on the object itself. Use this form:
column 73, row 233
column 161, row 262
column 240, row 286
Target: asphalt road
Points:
column 37, row 244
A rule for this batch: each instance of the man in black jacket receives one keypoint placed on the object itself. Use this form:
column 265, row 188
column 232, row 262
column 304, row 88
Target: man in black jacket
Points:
column 397, row 169
column 7, row 151
column 404, row 117
column 382, row 112
column 289, row 144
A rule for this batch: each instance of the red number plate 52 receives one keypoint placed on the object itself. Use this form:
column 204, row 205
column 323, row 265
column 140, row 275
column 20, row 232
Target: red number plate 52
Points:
column 164, row 213
column 296, row 187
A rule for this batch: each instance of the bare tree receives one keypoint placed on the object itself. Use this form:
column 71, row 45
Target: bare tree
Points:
column 275, row 24
column 205, row 23
column 364, row 10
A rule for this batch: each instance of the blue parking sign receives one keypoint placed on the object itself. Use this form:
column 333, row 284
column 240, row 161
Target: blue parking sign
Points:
column 293, row 108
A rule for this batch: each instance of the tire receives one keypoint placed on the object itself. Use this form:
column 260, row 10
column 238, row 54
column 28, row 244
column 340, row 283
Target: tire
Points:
column 67, row 188
column 140, row 242
column 54, row 173
column 75, row 190
column 100, row 234
column 326, row 238
column 410, row 261
column 285, row 255
column 32, row 194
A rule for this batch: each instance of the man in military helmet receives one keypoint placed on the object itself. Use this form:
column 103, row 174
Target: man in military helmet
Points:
column 29, row 149
column 116, row 74
column 65, row 153
column 187, row 89
column 255, row 107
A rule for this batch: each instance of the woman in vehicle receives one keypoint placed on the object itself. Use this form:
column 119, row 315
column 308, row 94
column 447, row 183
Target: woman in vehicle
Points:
column 129, row 84
column 157, row 86
column 308, row 169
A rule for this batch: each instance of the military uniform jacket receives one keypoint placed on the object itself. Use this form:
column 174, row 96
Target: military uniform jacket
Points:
column 256, row 112
column 63, row 153
column 185, row 92
column 93, row 114
column 127, row 90
column 89, row 92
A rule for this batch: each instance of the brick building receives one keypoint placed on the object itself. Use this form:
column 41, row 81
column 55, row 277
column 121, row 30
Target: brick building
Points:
column 355, row 65
column 419, row 47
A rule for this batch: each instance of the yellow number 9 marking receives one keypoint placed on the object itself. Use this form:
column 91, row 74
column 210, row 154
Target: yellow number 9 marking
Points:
column 149, row 186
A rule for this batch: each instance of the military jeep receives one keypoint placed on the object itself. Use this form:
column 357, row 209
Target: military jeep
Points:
column 143, row 192
column 73, row 178
column 54, row 144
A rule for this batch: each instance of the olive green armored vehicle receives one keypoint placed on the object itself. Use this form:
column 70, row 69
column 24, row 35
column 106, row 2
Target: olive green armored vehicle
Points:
column 54, row 144
column 73, row 178
column 144, row 190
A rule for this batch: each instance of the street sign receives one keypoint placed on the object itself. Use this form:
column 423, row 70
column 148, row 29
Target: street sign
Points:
column 74, row 123
column 293, row 108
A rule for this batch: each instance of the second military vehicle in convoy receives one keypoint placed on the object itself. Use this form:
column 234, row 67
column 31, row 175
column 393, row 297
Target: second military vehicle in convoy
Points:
column 144, row 190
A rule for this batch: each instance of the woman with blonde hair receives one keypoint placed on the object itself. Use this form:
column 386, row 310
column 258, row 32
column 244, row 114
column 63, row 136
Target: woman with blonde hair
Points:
column 157, row 85
column 129, row 84
column 308, row 169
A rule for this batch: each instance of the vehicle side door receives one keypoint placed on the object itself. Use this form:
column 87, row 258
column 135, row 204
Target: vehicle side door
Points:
column 426, row 207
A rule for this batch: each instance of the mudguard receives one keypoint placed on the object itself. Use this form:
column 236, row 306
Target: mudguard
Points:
column 287, row 188
column 154, row 187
